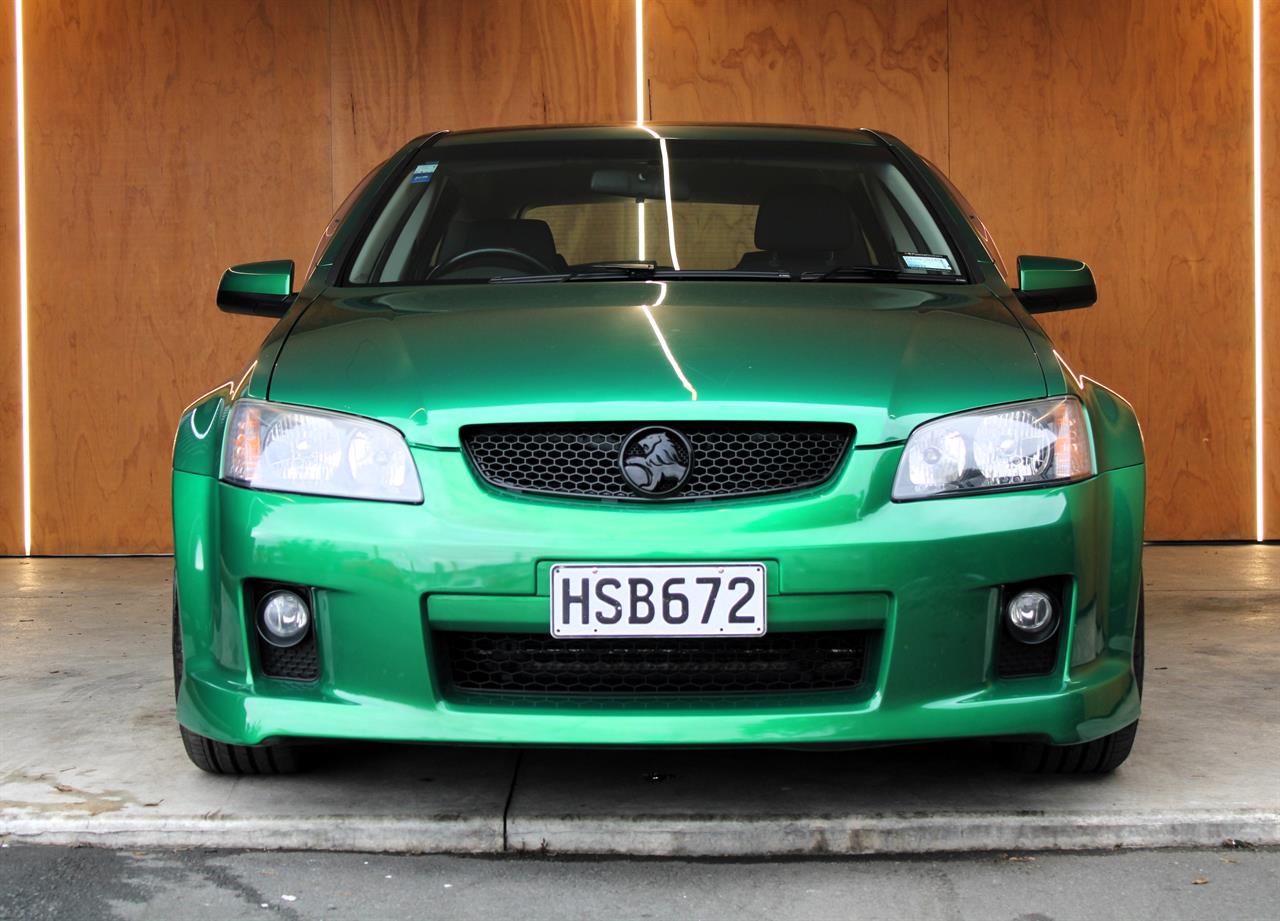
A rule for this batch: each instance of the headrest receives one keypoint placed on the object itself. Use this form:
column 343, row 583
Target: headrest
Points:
column 804, row 218
column 525, row 236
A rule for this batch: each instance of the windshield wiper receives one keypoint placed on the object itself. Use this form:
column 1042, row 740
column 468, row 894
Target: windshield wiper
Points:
column 722, row 275
column 597, row 271
column 876, row 273
column 592, row 275
column 643, row 271
column 646, row 271
column 614, row 271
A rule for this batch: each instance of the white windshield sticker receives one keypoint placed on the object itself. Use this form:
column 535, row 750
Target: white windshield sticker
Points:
column 423, row 172
column 925, row 261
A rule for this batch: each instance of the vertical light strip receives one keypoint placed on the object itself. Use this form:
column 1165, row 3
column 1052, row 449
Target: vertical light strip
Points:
column 1259, row 428
column 23, row 337
column 639, row 62
column 640, row 245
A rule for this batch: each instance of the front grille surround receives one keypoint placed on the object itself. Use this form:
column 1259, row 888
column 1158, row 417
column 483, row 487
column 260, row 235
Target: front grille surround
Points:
column 539, row 665
column 730, row 459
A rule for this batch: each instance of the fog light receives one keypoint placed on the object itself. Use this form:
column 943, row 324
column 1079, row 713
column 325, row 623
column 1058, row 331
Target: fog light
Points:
column 283, row 618
column 1032, row 616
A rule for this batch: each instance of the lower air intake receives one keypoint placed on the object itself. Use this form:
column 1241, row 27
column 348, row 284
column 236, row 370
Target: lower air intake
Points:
column 527, row 663
column 294, row 663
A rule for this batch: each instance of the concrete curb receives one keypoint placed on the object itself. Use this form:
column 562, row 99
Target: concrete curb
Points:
column 393, row 835
column 664, row 836
column 915, row 834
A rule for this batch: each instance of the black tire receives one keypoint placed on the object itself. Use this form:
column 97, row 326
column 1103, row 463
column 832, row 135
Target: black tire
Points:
column 1101, row 756
column 220, row 757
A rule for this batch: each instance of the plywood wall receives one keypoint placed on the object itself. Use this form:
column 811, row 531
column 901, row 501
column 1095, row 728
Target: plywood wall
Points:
column 170, row 138
column 871, row 63
column 10, row 403
column 186, row 136
column 402, row 68
column 1124, row 138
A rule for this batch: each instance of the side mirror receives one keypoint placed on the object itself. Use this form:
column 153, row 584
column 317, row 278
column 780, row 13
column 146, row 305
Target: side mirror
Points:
column 259, row 289
column 1046, row 283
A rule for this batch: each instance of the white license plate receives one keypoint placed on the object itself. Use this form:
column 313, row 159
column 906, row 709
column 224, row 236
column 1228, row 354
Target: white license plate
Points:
column 669, row 600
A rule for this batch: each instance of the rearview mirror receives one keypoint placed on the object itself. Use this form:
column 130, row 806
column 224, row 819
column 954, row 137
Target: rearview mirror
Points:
column 637, row 184
column 259, row 289
column 1047, row 283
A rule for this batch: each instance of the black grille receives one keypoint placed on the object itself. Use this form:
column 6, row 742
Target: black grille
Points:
column 297, row 663
column 729, row 459
column 529, row 663
column 1018, row 660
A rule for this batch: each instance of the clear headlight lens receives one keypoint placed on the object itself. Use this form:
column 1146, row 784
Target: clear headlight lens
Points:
column 290, row 449
column 1005, row 447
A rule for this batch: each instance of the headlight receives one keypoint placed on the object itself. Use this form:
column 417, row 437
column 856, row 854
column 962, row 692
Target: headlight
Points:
column 291, row 449
column 1005, row 447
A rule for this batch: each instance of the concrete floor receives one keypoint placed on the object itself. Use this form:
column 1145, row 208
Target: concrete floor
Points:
column 89, row 752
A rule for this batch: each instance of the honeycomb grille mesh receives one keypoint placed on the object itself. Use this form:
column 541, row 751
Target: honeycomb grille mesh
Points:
column 528, row 663
column 729, row 459
column 1019, row 660
column 295, row 663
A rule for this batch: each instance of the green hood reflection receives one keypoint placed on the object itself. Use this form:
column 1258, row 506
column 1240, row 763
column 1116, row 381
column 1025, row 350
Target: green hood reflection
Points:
column 431, row 359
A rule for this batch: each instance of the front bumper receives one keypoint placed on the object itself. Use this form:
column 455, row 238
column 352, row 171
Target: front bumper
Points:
column 924, row 577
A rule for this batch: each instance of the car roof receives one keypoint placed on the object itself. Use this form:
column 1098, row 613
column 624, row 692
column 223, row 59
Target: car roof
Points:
column 669, row 130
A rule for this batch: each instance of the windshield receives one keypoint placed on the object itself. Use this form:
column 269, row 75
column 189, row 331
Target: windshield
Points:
column 627, row 208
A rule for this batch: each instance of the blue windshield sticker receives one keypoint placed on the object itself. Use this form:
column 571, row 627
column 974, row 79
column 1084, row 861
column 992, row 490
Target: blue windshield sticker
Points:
column 924, row 261
column 423, row 172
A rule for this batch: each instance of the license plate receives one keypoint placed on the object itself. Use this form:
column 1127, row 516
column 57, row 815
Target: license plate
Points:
column 669, row 600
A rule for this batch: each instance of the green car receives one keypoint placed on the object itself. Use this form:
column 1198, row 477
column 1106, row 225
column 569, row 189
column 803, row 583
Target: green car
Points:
column 658, row 435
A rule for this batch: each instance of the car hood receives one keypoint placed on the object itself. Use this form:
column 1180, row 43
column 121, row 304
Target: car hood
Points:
column 882, row 357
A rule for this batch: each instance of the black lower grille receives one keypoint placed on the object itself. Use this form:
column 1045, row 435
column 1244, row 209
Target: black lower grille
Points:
column 704, row 460
column 528, row 663
column 1015, row 659
column 296, row 663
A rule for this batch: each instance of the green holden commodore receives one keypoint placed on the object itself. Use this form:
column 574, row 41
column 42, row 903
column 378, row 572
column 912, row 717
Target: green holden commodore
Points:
column 658, row 435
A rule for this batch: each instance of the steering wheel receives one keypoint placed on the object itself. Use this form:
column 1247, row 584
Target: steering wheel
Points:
column 491, row 252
